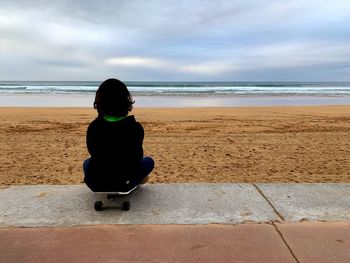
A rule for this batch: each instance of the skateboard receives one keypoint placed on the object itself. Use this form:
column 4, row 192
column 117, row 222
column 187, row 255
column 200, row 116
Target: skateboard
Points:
column 113, row 196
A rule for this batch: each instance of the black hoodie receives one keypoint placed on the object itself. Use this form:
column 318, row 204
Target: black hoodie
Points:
column 116, row 150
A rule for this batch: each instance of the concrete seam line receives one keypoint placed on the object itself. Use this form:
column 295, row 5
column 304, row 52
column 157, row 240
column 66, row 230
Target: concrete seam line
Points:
column 268, row 201
column 285, row 242
column 125, row 212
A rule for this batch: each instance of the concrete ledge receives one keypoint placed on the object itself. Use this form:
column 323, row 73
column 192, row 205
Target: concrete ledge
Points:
column 69, row 205
column 72, row 205
column 309, row 202
column 198, row 204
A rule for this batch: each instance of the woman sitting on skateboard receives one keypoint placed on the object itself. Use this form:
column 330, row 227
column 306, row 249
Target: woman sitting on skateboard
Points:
column 114, row 140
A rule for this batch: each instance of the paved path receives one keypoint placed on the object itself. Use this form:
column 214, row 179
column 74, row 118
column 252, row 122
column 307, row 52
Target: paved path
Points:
column 178, row 223
column 292, row 242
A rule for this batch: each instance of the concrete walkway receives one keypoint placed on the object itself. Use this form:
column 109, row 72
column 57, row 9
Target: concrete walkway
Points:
column 178, row 223
column 260, row 243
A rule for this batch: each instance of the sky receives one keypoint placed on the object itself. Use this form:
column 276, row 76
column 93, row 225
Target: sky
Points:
column 175, row 40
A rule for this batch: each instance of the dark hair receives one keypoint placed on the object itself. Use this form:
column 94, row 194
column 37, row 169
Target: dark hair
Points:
column 113, row 98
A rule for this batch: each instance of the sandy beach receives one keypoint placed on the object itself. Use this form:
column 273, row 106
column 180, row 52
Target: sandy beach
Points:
column 266, row 144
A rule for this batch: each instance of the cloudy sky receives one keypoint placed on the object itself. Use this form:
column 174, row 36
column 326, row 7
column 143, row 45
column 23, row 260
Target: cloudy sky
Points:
column 179, row 40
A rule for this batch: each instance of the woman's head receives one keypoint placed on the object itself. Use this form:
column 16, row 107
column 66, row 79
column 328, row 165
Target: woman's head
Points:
column 113, row 98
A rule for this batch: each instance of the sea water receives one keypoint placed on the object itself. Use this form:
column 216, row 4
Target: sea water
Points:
column 178, row 94
column 183, row 88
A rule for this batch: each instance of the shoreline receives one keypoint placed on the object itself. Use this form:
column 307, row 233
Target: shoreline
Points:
column 308, row 144
column 86, row 101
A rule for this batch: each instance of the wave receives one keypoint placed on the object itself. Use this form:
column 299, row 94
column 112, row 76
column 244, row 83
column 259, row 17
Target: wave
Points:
column 184, row 88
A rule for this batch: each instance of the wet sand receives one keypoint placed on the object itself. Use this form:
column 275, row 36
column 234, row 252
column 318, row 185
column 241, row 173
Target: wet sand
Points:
column 252, row 144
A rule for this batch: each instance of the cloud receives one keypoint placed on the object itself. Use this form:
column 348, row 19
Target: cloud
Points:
column 208, row 68
column 135, row 62
column 174, row 40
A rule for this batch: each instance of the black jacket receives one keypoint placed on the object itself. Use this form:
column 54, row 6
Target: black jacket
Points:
column 116, row 150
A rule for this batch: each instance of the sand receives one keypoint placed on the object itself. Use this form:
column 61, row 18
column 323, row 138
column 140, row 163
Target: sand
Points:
column 220, row 145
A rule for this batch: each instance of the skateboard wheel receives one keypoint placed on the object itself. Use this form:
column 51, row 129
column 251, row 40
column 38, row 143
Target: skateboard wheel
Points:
column 126, row 205
column 98, row 205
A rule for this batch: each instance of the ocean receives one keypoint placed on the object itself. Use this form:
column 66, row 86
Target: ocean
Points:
column 178, row 94
column 184, row 88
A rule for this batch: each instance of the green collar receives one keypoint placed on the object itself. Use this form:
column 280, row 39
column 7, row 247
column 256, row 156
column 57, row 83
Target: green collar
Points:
column 113, row 118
